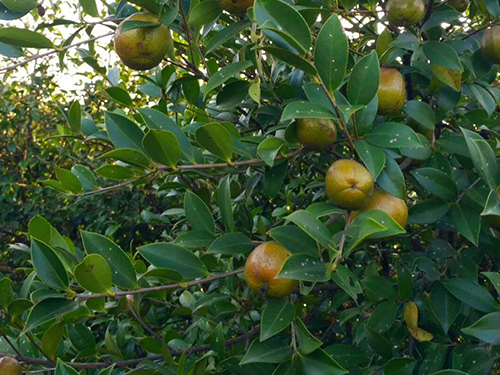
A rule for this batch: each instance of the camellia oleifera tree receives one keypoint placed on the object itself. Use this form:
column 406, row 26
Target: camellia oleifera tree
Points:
column 323, row 181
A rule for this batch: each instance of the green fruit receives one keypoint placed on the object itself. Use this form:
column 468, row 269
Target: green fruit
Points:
column 349, row 184
column 405, row 12
column 10, row 366
column 391, row 91
column 236, row 6
column 143, row 48
column 490, row 44
column 315, row 133
column 460, row 5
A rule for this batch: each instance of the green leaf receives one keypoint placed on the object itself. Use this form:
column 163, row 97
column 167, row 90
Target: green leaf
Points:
column 231, row 244
column 302, row 109
column 319, row 363
column 277, row 315
column 347, row 280
column 20, row 6
column 204, row 12
column 433, row 361
column 494, row 278
column 195, row 239
column 364, row 80
column 24, row 38
column 442, row 54
column 269, row 148
column 284, row 17
column 331, row 52
column 373, row 157
column 163, row 147
column 466, row 221
column 52, row 338
column 436, row 182
column 393, row 135
column 471, row 294
column 313, row 227
column 360, row 229
column 85, row 176
column 119, row 95
column 304, row 267
column 448, row 76
column 378, row 343
column 69, row 180
column 48, row 309
column 446, row 308
column 392, row 179
column 115, row 172
column 10, row 51
column 174, row 257
column 305, row 339
column 400, row 366
column 225, row 206
column 294, row 239
column 94, row 274
column 81, row 337
column 121, row 267
column 381, row 217
column 48, row 265
column 428, row 212
column 75, row 116
column 89, row 7
column 129, row 156
column 269, row 351
column 157, row 120
column 383, row 317
column 198, row 214
column 273, row 179
column 123, row 132
column 215, row 138
column 227, row 33
column 483, row 97
column 450, row 372
column 64, row 369
column 291, row 59
column 347, row 355
column 224, row 74
column 483, row 158
column 486, row 329
column 421, row 112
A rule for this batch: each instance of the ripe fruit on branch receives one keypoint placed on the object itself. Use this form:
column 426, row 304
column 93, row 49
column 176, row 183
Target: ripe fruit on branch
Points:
column 238, row 7
column 391, row 91
column 316, row 134
column 405, row 12
column 393, row 206
column 145, row 47
column 490, row 44
column 262, row 266
column 349, row 184
column 10, row 366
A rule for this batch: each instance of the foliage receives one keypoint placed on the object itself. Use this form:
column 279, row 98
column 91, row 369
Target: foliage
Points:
column 135, row 202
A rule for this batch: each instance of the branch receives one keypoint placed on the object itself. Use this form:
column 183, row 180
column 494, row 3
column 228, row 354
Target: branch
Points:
column 36, row 57
column 131, row 362
column 84, row 297
column 343, row 124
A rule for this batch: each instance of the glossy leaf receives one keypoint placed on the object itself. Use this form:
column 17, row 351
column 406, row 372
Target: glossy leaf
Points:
column 277, row 316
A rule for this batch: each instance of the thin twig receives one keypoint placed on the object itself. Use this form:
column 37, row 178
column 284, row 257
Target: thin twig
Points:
column 342, row 242
column 40, row 55
column 131, row 362
column 84, row 297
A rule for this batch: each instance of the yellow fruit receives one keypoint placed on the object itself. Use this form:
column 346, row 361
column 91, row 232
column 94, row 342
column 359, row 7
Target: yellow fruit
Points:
column 262, row 266
column 460, row 5
column 405, row 12
column 143, row 48
column 349, row 184
column 393, row 206
column 391, row 91
column 10, row 366
column 490, row 44
column 419, row 334
column 315, row 133
column 236, row 6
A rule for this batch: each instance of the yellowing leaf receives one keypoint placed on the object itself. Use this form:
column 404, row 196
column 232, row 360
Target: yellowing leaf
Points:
column 419, row 334
column 411, row 315
column 450, row 77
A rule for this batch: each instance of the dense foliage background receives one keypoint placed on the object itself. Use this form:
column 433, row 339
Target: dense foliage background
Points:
column 130, row 201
